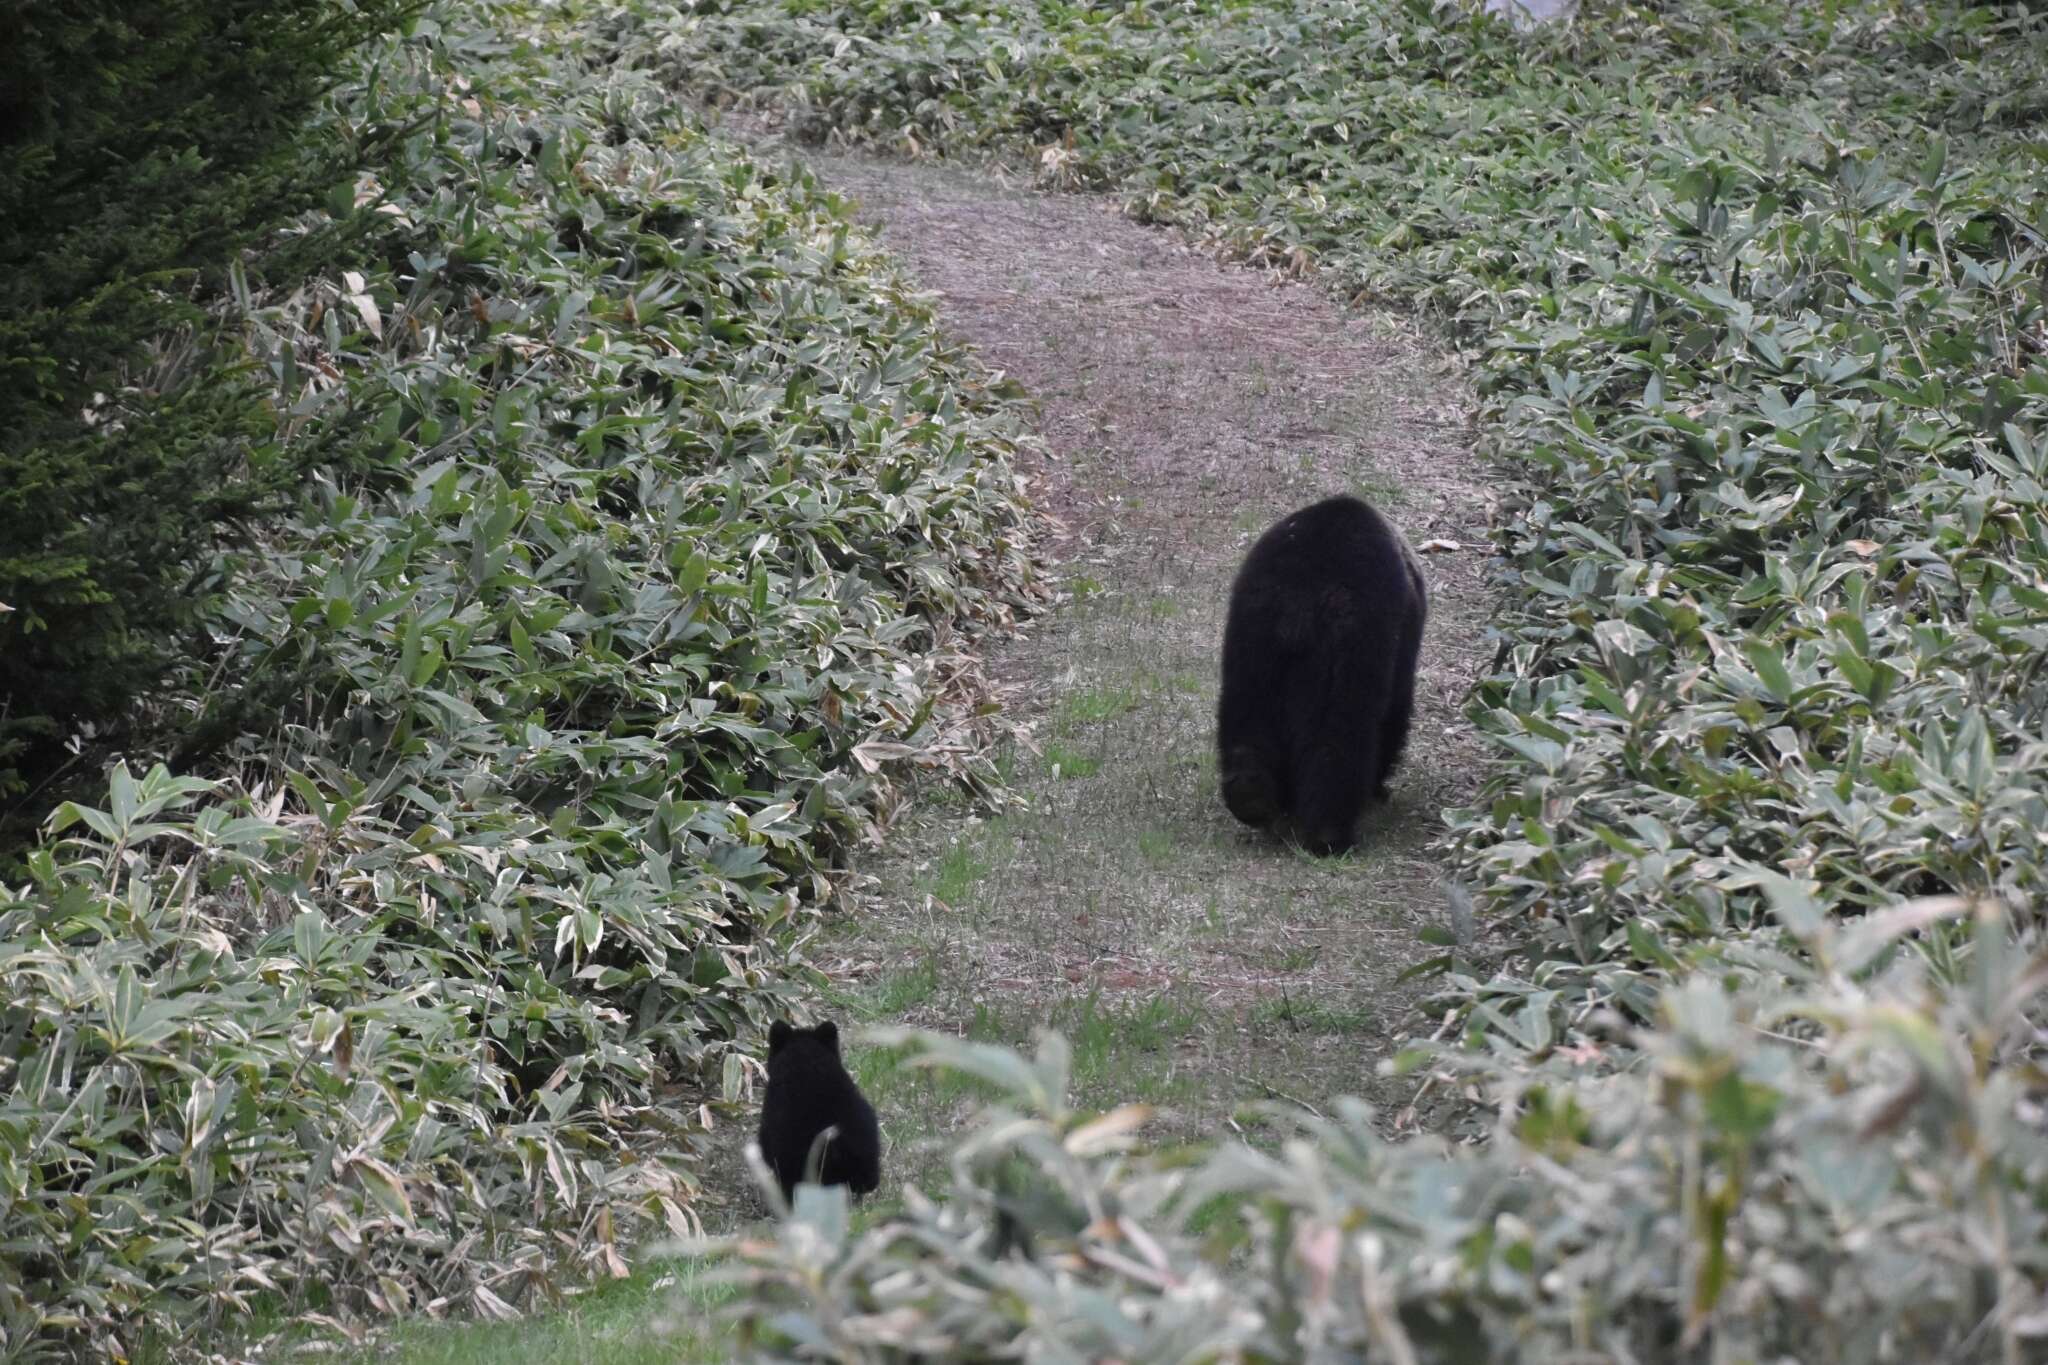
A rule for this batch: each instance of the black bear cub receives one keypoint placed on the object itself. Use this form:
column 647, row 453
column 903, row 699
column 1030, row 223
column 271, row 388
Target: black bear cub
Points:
column 1319, row 654
column 808, row 1092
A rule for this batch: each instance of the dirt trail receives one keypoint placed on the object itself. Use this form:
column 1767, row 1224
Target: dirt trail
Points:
column 1184, row 405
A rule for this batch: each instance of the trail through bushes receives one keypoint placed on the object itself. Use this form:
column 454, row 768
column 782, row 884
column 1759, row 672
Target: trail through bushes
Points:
column 1755, row 296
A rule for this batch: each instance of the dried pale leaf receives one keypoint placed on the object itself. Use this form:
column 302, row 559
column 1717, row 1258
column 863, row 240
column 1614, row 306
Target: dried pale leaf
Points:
column 1111, row 1132
column 1130, row 1269
column 1145, row 1243
column 1870, row 936
column 1318, row 1245
column 558, row 1172
column 394, row 1295
column 681, row 1223
column 2033, row 1324
column 873, row 754
column 901, row 1326
column 366, row 308
column 490, row 1306
column 342, row 1232
column 1439, row 546
column 384, row 1185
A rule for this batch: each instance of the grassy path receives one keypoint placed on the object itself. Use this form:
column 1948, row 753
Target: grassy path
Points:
column 1183, row 406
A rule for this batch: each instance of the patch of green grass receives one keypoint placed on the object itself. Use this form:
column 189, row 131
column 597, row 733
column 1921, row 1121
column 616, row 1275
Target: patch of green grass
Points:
column 897, row 1086
column 1119, row 1049
column 1083, row 586
column 893, row 994
column 1164, row 1084
column 1298, row 957
column 1342, row 857
column 1220, row 1218
column 1097, row 704
column 893, row 1083
column 1379, row 490
column 1063, row 762
column 1162, row 608
column 1309, row 1016
column 988, row 1024
column 957, row 873
column 1156, row 846
column 665, row 1312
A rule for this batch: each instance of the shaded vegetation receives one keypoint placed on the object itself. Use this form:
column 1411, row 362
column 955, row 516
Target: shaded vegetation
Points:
column 140, row 146
column 544, row 725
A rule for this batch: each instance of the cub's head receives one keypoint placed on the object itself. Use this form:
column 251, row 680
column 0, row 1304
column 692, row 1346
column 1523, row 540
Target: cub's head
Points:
column 782, row 1033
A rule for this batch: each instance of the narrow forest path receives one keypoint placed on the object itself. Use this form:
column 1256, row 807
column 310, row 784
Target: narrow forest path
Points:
column 1184, row 405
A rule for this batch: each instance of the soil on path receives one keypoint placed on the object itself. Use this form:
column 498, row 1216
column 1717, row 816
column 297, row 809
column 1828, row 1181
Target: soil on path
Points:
column 1184, row 404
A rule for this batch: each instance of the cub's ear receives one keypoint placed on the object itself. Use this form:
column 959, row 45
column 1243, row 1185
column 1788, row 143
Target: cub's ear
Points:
column 828, row 1034
column 779, row 1033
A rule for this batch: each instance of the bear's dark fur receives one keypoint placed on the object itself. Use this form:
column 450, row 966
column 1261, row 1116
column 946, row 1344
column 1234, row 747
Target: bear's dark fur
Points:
column 1319, row 654
column 809, row 1091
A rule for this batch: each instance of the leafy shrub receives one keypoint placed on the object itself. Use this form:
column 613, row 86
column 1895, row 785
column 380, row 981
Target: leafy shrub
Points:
column 140, row 146
column 546, row 728
column 1829, row 1173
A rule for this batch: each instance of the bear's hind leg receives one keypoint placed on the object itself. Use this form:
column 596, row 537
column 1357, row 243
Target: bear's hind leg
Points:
column 1400, row 707
column 1336, row 751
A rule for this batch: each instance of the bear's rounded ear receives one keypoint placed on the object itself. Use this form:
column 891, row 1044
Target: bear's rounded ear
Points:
column 828, row 1032
column 779, row 1033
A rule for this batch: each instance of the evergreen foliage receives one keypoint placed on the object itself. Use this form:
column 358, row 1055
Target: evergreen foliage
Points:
column 141, row 145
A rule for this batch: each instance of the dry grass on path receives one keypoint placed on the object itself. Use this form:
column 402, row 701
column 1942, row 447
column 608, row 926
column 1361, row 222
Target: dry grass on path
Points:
column 1184, row 404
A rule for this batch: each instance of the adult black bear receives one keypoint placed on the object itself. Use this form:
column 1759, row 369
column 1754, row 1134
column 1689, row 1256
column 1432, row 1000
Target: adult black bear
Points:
column 1319, row 654
column 808, row 1092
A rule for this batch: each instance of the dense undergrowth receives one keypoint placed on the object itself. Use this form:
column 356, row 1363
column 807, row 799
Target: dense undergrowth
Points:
column 542, row 727
column 1757, row 296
